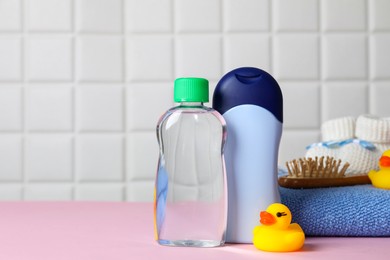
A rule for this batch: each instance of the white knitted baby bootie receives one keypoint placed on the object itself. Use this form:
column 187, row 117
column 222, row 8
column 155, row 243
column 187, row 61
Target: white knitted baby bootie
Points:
column 361, row 156
column 338, row 136
column 317, row 150
column 338, row 129
column 375, row 130
column 373, row 138
column 332, row 132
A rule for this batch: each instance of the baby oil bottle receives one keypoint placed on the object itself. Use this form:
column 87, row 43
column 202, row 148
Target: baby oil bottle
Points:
column 190, row 190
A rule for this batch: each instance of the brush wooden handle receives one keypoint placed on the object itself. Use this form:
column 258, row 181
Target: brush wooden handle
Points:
column 308, row 183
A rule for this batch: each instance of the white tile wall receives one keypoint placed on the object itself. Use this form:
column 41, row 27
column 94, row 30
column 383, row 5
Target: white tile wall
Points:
column 380, row 56
column 99, row 58
column 344, row 99
column 297, row 15
column 246, row 15
column 10, row 108
column 150, row 58
column 11, row 157
column 141, row 146
column 140, row 191
column 198, row 15
column 84, row 82
column 307, row 113
column 99, row 192
column 99, row 157
column 139, row 94
column 48, row 15
column 288, row 49
column 199, row 55
column 344, row 15
column 99, row 107
column 90, row 15
column 11, row 192
column 379, row 18
column 247, row 50
column 379, row 96
column 48, row 192
column 49, row 157
column 11, row 58
column 344, row 56
column 149, row 16
column 49, row 108
column 49, row 58
column 10, row 15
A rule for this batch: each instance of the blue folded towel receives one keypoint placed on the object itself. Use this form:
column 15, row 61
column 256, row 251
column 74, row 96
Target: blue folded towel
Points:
column 356, row 211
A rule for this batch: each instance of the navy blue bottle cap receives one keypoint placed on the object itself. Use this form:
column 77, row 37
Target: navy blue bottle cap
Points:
column 248, row 86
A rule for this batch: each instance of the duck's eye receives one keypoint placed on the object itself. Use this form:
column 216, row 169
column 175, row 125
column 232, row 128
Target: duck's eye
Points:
column 281, row 214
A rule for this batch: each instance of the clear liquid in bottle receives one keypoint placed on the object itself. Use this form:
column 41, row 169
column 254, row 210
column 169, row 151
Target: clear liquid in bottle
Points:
column 190, row 192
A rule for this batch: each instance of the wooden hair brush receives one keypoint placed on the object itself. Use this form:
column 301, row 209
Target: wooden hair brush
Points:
column 319, row 172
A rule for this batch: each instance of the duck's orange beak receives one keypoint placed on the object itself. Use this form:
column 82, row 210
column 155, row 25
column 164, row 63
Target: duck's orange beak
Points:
column 384, row 161
column 267, row 218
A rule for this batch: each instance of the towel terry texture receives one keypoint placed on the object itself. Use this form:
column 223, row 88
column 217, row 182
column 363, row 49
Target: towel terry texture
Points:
column 354, row 211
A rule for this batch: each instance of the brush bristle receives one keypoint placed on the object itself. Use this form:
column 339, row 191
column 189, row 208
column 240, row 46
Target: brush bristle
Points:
column 321, row 167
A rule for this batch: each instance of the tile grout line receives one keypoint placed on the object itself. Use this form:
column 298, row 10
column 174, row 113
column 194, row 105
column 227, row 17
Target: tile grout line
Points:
column 125, row 174
column 320, row 62
column 75, row 101
column 271, row 39
column 368, row 59
column 23, row 4
column 174, row 35
column 222, row 39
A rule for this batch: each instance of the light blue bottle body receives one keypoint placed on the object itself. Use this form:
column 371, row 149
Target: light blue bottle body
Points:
column 251, row 102
column 251, row 164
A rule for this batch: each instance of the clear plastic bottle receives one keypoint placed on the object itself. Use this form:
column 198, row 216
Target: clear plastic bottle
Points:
column 190, row 192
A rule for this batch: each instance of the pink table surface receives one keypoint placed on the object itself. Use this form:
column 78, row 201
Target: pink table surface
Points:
column 116, row 231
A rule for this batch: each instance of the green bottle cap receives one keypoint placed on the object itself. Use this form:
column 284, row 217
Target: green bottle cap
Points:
column 191, row 90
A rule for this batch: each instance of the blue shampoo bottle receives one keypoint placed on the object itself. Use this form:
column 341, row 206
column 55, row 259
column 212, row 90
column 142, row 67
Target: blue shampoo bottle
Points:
column 251, row 102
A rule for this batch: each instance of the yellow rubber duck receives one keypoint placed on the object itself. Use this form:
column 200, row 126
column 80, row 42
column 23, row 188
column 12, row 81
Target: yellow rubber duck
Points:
column 381, row 178
column 276, row 234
